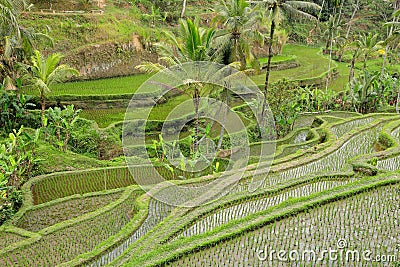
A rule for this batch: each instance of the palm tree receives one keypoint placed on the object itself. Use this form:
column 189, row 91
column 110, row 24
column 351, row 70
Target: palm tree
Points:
column 333, row 24
column 369, row 44
column 277, row 9
column 45, row 72
column 192, row 44
column 241, row 23
column 355, row 46
column 365, row 45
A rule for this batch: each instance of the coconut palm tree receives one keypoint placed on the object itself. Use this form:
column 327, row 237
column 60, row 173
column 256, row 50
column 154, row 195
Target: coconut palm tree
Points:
column 369, row 45
column 192, row 44
column 45, row 72
column 277, row 9
column 355, row 47
column 363, row 46
column 241, row 28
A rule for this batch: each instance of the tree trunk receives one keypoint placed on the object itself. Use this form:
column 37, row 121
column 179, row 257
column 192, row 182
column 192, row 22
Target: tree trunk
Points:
column 365, row 62
column 196, row 102
column 183, row 8
column 221, row 135
column 340, row 56
column 330, row 62
column 352, row 17
column 327, row 44
column 398, row 100
column 387, row 48
column 42, row 98
column 270, row 55
column 320, row 12
column 340, row 12
column 67, row 136
column 243, row 62
column 351, row 75
column 239, row 56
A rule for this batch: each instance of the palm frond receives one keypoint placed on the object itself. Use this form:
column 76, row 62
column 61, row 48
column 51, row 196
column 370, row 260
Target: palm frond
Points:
column 170, row 61
column 236, row 65
column 60, row 74
column 149, row 67
column 41, row 86
column 168, row 51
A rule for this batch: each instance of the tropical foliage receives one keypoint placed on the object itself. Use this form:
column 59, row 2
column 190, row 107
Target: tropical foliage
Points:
column 277, row 10
column 17, row 159
column 60, row 123
column 192, row 44
column 242, row 28
column 43, row 73
column 333, row 104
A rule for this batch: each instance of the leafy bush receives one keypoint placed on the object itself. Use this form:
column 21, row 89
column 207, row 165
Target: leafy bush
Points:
column 84, row 138
column 13, row 111
column 59, row 123
column 282, row 101
column 371, row 91
column 17, row 158
column 10, row 204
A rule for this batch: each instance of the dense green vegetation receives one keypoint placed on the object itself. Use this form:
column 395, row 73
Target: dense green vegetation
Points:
column 309, row 162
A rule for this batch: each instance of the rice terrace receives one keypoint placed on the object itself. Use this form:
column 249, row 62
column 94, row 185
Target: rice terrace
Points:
column 200, row 133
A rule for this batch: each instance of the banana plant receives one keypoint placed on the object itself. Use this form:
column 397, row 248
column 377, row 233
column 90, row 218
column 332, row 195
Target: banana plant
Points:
column 61, row 121
column 13, row 108
column 365, row 92
column 17, row 157
column 69, row 118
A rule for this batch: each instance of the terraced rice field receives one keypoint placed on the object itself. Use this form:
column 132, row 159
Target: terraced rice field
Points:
column 120, row 86
column 315, row 197
column 306, row 235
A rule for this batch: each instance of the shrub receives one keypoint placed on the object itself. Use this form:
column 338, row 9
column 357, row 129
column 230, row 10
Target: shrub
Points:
column 84, row 138
column 13, row 110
